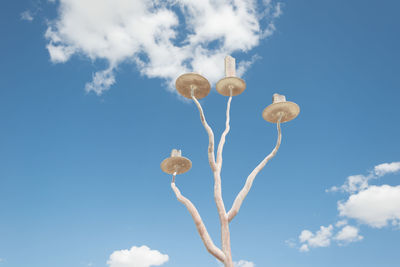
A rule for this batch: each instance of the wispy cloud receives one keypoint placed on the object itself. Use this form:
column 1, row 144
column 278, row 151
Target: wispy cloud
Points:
column 291, row 243
column 163, row 38
column 341, row 223
column 27, row 15
column 137, row 257
column 243, row 263
column 376, row 206
column 354, row 183
column 359, row 182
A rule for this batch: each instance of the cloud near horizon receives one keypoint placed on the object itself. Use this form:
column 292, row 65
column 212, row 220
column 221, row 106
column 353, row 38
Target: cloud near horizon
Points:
column 243, row 263
column 162, row 38
column 145, row 257
column 137, row 257
column 240, row 263
column 376, row 206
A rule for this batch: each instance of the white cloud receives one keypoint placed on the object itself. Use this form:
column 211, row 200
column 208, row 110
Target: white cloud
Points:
column 59, row 53
column 290, row 243
column 333, row 189
column 243, row 263
column 304, row 248
column 372, row 205
column 325, row 236
column 348, row 234
column 278, row 10
column 305, row 236
column 137, row 257
column 376, row 206
column 356, row 183
column 27, row 15
column 386, row 168
column 163, row 38
column 341, row 223
column 322, row 238
column 102, row 80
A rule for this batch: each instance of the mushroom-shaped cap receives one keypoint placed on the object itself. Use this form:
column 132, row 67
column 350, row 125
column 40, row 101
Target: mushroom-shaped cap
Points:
column 176, row 163
column 280, row 107
column 186, row 82
column 225, row 85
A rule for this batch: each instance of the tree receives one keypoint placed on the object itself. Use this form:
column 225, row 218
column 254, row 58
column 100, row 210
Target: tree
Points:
column 195, row 86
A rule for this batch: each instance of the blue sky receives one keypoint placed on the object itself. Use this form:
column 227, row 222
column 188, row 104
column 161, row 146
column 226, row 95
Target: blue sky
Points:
column 80, row 176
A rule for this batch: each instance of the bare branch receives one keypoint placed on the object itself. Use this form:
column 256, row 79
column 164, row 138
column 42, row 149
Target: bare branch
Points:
column 223, row 136
column 245, row 190
column 205, row 237
column 211, row 158
column 211, row 155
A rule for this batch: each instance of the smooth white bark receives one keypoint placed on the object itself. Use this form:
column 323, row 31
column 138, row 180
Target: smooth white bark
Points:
column 216, row 168
column 201, row 228
column 223, row 136
column 225, row 233
column 225, row 254
column 211, row 155
column 250, row 179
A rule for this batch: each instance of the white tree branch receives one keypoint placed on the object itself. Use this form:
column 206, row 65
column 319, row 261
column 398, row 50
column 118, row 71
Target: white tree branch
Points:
column 211, row 158
column 217, row 185
column 223, row 136
column 245, row 190
column 211, row 155
column 205, row 237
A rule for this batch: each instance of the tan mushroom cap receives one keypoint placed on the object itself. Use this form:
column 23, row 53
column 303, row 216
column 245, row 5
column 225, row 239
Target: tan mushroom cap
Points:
column 176, row 163
column 289, row 110
column 185, row 82
column 225, row 85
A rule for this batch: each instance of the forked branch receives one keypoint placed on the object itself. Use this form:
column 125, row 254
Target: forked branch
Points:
column 214, row 167
column 201, row 228
column 249, row 182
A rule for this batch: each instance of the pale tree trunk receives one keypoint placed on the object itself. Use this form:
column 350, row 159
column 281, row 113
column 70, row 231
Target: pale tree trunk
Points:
column 224, row 255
